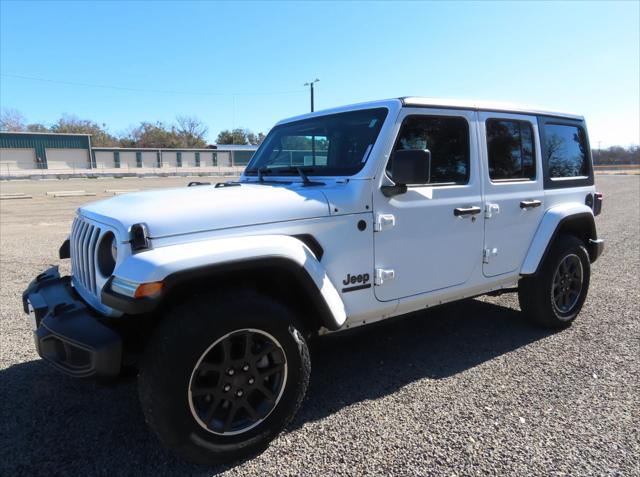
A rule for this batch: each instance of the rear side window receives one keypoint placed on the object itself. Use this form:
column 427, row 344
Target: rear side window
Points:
column 447, row 138
column 511, row 151
column 566, row 151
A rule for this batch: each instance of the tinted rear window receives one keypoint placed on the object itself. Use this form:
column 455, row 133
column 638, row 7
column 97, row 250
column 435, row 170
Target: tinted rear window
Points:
column 511, row 151
column 566, row 150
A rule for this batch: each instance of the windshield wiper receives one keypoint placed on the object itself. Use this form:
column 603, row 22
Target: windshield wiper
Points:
column 300, row 170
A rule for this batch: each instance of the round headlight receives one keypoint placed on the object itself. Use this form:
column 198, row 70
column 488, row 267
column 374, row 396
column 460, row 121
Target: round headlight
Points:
column 107, row 254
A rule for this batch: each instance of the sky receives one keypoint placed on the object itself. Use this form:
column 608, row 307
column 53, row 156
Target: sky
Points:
column 244, row 64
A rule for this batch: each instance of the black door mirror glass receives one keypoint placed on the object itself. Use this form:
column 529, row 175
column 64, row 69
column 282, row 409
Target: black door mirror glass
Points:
column 411, row 166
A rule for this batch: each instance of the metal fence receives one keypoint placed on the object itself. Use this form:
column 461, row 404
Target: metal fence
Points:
column 11, row 170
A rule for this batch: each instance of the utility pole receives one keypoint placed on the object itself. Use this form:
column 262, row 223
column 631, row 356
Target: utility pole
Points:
column 310, row 85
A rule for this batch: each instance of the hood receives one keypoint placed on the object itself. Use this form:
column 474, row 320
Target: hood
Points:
column 203, row 208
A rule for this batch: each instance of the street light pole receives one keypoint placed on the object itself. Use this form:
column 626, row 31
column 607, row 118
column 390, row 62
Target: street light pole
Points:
column 310, row 84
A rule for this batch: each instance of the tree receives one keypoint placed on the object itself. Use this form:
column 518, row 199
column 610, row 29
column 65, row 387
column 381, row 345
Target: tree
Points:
column 11, row 120
column 37, row 127
column 191, row 131
column 255, row 140
column 617, row 155
column 239, row 136
column 151, row 135
column 73, row 125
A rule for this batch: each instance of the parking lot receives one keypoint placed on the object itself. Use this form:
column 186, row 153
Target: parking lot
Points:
column 464, row 389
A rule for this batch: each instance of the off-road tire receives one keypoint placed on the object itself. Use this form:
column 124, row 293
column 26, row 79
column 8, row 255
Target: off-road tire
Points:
column 535, row 293
column 169, row 363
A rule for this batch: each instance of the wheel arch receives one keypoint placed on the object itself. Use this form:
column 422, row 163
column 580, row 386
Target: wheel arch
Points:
column 571, row 219
column 273, row 276
column 281, row 266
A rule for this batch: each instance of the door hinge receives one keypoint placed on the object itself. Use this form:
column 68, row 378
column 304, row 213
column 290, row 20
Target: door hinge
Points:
column 488, row 253
column 490, row 210
column 384, row 222
column 383, row 275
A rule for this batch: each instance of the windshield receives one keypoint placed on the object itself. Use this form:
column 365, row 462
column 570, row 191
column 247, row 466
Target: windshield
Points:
column 332, row 145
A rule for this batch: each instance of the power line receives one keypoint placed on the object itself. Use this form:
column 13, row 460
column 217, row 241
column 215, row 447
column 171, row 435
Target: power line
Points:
column 142, row 90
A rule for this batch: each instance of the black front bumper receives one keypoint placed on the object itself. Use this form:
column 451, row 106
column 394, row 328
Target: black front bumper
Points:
column 596, row 247
column 67, row 332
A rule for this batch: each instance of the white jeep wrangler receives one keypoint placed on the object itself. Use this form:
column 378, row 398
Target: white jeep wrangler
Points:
column 342, row 218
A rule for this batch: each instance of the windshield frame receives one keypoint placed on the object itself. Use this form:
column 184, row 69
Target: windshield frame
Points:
column 319, row 170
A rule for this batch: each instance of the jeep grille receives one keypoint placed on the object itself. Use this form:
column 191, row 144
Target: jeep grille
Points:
column 84, row 241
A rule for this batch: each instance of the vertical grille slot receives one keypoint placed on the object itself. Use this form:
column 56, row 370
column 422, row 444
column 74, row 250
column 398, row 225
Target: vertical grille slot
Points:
column 84, row 241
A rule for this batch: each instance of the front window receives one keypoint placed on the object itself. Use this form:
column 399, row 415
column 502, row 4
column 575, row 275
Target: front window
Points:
column 332, row 145
column 446, row 137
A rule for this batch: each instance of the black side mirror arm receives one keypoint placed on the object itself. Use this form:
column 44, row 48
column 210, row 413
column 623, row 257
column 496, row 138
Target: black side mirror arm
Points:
column 392, row 190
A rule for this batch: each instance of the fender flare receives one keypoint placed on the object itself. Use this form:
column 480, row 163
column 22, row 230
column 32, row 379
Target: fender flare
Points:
column 175, row 264
column 551, row 223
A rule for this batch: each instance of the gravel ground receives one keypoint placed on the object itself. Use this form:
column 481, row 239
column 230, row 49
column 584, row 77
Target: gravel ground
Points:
column 465, row 389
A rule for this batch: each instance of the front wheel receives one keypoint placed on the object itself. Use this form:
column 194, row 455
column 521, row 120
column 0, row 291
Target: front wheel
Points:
column 554, row 297
column 222, row 377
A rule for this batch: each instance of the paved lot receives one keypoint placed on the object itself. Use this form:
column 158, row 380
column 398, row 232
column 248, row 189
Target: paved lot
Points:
column 465, row 389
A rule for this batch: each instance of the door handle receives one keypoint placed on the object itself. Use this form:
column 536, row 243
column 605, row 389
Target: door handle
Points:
column 530, row 204
column 464, row 211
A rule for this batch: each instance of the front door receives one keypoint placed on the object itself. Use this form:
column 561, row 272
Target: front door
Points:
column 513, row 189
column 430, row 237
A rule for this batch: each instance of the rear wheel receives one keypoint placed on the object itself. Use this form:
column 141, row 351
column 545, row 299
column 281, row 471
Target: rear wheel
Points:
column 222, row 377
column 555, row 295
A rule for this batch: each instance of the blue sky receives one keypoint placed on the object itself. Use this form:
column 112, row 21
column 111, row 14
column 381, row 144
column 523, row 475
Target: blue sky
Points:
column 244, row 64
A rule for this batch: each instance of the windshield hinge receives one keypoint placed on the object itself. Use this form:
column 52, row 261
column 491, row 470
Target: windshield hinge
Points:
column 384, row 222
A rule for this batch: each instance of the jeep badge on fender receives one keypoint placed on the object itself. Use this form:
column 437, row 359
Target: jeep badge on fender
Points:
column 213, row 292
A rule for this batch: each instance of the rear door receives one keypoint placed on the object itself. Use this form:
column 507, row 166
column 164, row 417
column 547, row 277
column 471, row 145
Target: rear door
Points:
column 513, row 189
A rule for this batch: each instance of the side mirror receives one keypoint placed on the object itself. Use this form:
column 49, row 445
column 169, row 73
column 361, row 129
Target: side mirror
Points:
column 410, row 166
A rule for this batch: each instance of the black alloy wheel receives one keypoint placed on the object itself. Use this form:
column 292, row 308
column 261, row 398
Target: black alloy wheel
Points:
column 237, row 382
column 567, row 283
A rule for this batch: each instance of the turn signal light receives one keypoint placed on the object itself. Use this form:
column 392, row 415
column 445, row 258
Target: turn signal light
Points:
column 148, row 290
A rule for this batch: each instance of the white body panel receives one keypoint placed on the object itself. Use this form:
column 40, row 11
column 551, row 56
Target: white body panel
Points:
column 433, row 256
column 156, row 265
column 509, row 227
column 544, row 233
column 429, row 248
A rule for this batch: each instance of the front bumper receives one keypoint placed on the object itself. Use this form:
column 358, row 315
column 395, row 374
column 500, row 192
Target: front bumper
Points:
column 67, row 332
column 596, row 247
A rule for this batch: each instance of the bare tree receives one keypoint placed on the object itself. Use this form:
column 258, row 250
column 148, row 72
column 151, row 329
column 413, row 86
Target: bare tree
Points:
column 11, row 120
column 192, row 131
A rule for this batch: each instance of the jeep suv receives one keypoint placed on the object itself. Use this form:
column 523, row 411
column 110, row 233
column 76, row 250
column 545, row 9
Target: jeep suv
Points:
column 342, row 218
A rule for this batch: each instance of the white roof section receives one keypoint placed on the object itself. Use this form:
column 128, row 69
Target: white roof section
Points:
column 422, row 102
column 391, row 104
column 485, row 106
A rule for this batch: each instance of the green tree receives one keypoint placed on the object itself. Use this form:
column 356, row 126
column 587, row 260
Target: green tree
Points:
column 70, row 124
column 37, row 127
column 239, row 136
column 151, row 135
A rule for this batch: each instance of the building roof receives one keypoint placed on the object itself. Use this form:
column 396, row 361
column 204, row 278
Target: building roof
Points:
column 237, row 147
column 37, row 133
